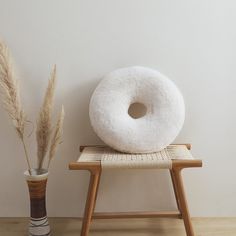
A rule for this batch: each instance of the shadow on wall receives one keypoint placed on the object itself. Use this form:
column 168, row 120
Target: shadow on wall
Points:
column 78, row 130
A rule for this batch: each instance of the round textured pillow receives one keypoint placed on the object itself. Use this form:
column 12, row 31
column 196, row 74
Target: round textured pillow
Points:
column 160, row 98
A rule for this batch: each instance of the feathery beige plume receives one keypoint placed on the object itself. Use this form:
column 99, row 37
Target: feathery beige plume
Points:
column 10, row 90
column 11, row 95
column 56, row 138
column 44, row 124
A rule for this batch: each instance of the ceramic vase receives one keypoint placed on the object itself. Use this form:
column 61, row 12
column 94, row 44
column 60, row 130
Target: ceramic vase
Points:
column 37, row 183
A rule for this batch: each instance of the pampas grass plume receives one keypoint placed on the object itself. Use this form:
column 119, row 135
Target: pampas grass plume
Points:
column 11, row 95
column 12, row 104
column 56, row 138
column 44, row 123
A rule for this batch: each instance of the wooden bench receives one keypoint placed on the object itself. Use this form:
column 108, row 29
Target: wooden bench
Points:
column 94, row 166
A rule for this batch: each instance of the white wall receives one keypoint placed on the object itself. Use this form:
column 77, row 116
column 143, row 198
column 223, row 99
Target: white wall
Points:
column 191, row 41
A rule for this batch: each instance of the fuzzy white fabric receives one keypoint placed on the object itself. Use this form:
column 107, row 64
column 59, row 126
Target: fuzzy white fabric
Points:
column 153, row 132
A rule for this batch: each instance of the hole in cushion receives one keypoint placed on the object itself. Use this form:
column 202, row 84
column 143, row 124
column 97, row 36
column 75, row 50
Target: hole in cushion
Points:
column 137, row 110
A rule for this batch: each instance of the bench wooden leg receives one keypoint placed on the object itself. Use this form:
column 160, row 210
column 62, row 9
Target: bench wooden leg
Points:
column 96, row 195
column 182, row 201
column 175, row 191
column 91, row 200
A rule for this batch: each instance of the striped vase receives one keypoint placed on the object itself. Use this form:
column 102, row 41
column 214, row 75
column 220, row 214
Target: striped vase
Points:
column 37, row 183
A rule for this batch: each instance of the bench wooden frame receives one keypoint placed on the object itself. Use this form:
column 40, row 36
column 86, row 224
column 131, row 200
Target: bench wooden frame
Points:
column 95, row 173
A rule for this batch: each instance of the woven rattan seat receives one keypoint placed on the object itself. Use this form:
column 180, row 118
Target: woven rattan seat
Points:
column 110, row 158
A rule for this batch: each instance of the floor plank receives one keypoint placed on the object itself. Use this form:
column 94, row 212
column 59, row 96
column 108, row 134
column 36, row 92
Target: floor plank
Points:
column 129, row 227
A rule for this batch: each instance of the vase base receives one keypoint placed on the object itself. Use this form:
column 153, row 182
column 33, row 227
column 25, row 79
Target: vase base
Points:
column 39, row 227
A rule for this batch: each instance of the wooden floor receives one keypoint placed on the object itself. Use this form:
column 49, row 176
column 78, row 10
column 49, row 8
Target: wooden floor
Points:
column 129, row 227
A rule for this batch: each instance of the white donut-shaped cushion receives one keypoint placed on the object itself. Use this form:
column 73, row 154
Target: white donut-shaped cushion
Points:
column 109, row 104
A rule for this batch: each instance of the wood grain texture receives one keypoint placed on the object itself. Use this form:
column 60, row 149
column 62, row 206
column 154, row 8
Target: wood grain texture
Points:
column 124, row 227
column 182, row 201
column 141, row 214
column 91, row 201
